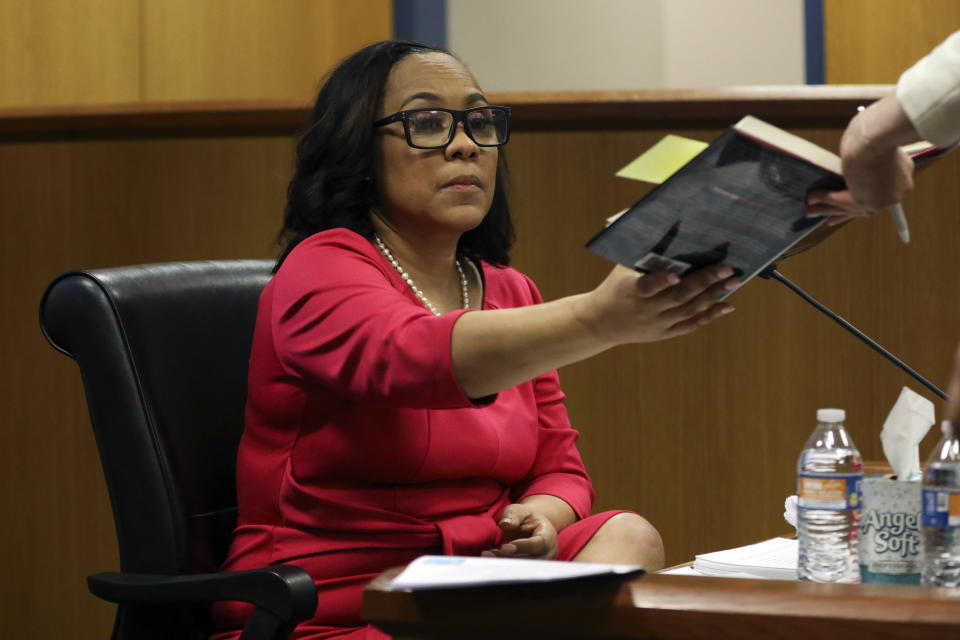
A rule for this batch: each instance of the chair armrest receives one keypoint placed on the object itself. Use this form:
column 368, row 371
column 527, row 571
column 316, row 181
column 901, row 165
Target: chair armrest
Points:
column 283, row 595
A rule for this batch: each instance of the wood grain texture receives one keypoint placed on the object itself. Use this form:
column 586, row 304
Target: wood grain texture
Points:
column 532, row 111
column 77, row 52
column 220, row 49
column 664, row 606
column 96, row 204
column 68, row 52
column 701, row 434
column 874, row 41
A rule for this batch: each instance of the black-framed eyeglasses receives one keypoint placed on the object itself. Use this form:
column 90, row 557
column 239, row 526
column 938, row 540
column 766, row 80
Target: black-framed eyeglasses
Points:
column 434, row 127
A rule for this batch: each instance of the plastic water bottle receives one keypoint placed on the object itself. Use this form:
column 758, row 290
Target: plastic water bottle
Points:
column 829, row 473
column 941, row 513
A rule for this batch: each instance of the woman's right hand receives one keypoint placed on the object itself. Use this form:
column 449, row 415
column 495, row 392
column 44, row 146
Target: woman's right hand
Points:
column 630, row 307
column 500, row 348
column 877, row 171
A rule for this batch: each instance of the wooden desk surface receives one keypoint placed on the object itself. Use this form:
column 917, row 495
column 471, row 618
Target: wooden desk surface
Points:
column 665, row 606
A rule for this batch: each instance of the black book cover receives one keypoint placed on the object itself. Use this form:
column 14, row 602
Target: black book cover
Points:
column 740, row 202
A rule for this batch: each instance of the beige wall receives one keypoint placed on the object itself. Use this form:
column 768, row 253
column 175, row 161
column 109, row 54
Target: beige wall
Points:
column 715, row 43
column 541, row 45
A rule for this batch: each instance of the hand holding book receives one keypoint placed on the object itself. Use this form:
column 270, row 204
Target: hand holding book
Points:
column 657, row 306
column 742, row 201
column 878, row 172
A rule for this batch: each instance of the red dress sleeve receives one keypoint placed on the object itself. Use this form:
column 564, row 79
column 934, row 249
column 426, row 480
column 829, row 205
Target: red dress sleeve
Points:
column 557, row 469
column 342, row 318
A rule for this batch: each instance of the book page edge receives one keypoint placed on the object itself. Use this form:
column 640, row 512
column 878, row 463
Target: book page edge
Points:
column 776, row 137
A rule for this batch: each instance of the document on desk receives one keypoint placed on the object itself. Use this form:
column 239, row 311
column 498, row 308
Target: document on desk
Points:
column 451, row 572
column 774, row 559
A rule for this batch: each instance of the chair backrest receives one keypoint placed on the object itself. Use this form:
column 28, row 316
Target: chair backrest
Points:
column 163, row 351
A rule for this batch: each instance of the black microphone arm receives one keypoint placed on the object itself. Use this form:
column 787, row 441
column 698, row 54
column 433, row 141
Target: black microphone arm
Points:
column 771, row 272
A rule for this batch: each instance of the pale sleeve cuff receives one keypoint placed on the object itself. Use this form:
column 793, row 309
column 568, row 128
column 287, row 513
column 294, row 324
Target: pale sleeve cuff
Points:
column 929, row 93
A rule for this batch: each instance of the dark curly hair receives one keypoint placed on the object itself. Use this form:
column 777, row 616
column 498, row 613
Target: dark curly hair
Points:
column 332, row 186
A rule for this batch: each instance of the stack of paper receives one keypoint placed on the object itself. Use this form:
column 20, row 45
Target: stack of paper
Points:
column 447, row 572
column 775, row 559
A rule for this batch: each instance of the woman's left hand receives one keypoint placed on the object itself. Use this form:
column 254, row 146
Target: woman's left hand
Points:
column 527, row 533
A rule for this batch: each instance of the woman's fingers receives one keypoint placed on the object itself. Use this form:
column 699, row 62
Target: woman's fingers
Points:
column 514, row 519
column 694, row 299
column 651, row 284
column 532, row 547
column 631, row 308
column 702, row 302
column 840, row 219
column 526, row 534
column 694, row 303
column 698, row 288
column 832, row 202
column 705, row 317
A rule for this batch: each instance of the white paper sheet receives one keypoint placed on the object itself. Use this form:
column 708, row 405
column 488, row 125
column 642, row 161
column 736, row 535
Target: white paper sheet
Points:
column 448, row 572
column 690, row 571
column 773, row 559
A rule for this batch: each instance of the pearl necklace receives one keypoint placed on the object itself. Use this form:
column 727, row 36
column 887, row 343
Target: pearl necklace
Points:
column 464, row 294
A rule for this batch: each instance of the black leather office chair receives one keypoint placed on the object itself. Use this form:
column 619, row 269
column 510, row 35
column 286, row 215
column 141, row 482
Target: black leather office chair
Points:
column 163, row 352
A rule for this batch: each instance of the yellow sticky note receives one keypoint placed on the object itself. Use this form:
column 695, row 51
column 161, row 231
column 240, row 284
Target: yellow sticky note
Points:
column 662, row 160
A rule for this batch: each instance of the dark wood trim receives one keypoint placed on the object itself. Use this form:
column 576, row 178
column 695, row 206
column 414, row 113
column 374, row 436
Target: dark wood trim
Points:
column 533, row 111
column 654, row 109
column 155, row 119
column 665, row 606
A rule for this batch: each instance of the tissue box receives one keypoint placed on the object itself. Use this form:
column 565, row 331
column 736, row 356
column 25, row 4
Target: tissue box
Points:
column 890, row 544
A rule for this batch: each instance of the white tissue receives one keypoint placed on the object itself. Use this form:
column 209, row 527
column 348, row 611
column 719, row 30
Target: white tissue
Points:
column 790, row 510
column 909, row 420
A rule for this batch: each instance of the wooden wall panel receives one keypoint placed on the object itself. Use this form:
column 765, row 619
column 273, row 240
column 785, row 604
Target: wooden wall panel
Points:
column 701, row 433
column 70, row 205
column 68, row 52
column 95, row 204
column 221, row 49
column 874, row 41
column 64, row 52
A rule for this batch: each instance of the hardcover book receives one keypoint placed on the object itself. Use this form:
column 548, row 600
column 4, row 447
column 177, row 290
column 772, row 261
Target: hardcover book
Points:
column 741, row 201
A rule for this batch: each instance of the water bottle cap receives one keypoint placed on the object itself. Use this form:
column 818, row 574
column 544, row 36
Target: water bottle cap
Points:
column 946, row 427
column 831, row 415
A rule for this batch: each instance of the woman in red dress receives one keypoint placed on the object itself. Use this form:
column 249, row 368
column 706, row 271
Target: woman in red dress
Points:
column 403, row 397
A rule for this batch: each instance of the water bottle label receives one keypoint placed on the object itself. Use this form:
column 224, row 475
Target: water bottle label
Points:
column 835, row 491
column 941, row 508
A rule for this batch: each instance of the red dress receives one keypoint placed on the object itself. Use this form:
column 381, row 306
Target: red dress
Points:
column 361, row 452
